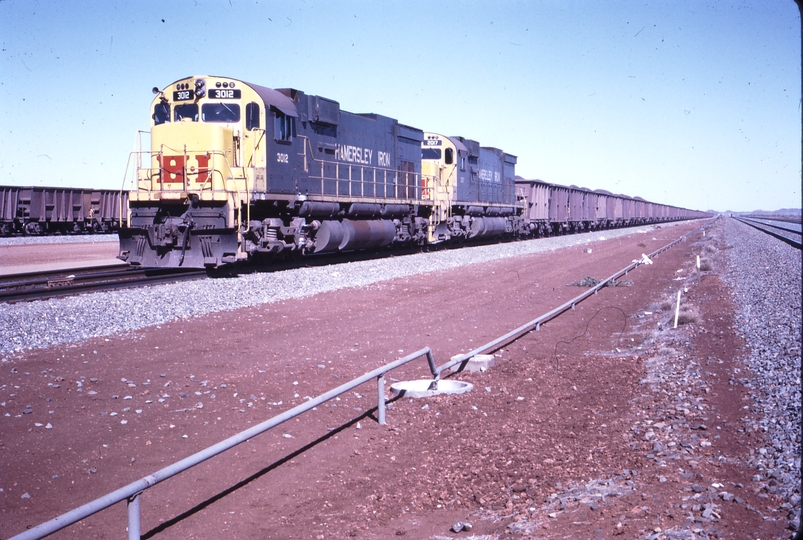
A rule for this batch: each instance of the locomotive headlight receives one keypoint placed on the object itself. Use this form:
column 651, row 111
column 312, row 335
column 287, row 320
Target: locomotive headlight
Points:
column 200, row 88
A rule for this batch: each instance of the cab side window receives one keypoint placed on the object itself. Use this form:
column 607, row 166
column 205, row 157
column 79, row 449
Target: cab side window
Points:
column 284, row 127
column 252, row 116
column 161, row 113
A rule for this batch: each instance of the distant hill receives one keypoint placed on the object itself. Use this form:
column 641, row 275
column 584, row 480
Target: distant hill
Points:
column 791, row 212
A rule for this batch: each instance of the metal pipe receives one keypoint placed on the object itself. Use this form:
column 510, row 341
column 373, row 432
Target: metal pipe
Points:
column 380, row 399
column 431, row 362
column 126, row 492
column 134, row 517
column 536, row 323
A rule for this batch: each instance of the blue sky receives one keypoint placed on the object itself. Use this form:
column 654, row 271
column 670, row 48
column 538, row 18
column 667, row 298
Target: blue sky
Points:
column 689, row 103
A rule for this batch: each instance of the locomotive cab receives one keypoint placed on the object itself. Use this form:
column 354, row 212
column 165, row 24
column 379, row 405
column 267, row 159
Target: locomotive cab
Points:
column 206, row 152
column 472, row 188
column 443, row 166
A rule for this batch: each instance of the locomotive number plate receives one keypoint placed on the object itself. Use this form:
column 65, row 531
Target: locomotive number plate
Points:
column 184, row 95
column 224, row 93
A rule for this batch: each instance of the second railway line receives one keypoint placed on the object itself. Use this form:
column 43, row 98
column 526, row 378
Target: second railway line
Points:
column 784, row 231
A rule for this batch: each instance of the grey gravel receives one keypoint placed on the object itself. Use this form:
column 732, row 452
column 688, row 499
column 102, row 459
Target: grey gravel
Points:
column 46, row 323
column 766, row 278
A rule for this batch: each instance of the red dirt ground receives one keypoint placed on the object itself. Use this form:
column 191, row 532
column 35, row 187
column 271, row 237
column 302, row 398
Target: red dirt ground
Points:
column 603, row 424
column 37, row 254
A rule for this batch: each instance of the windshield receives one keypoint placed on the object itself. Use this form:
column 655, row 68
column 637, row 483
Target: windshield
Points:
column 430, row 153
column 220, row 112
column 189, row 110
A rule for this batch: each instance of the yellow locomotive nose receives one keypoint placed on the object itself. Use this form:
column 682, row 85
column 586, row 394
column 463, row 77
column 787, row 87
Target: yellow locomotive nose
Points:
column 190, row 157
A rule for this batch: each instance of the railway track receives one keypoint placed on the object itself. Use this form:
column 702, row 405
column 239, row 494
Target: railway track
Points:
column 787, row 232
column 786, row 219
column 54, row 284
column 25, row 287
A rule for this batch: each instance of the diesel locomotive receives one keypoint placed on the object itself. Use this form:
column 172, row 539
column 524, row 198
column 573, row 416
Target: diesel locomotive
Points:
column 237, row 171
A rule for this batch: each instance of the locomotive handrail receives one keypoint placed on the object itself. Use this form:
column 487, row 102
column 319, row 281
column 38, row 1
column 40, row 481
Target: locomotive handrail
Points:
column 133, row 491
column 304, row 154
column 417, row 187
column 122, row 189
column 230, row 191
column 135, row 176
column 207, row 184
column 384, row 184
column 256, row 140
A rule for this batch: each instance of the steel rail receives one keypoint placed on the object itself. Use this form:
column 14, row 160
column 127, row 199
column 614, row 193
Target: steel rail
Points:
column 54, row 284
column 32, row 274
column 133, row 491
column 787, row 219
column 773, row 223
column 765, row 228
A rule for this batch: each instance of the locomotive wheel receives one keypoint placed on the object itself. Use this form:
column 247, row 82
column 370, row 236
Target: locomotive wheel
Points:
column 32, row 228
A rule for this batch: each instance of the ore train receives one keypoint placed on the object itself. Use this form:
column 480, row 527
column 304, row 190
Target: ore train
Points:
column 237, row 171
column 51, row 210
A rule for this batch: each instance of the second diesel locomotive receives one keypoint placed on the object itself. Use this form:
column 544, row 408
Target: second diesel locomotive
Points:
column 237, row 171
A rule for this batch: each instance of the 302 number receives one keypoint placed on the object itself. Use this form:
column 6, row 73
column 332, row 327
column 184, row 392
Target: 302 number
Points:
column 282, row 158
